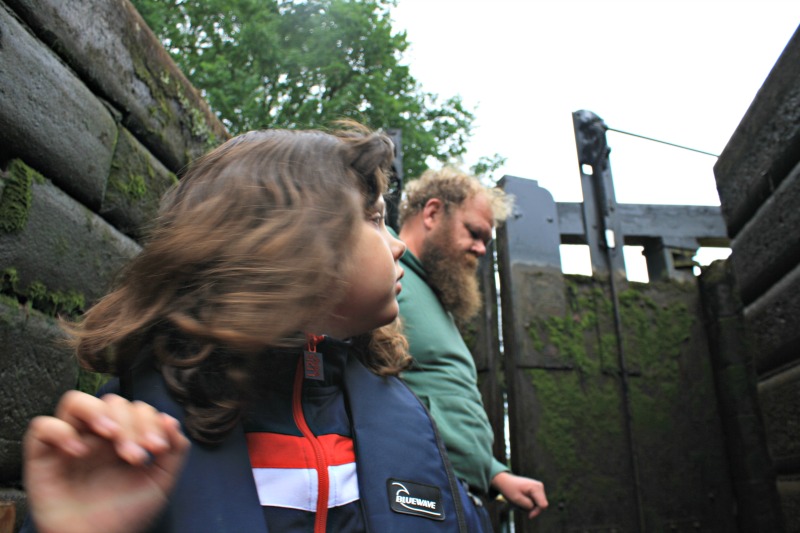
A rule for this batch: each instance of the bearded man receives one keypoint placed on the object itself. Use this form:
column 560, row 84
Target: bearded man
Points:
column 446, row 220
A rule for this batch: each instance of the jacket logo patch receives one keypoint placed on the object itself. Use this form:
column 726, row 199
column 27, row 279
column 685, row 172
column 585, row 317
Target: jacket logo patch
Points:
column 415, row 499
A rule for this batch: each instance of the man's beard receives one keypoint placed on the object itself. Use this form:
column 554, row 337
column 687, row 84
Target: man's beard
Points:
column 452, row 274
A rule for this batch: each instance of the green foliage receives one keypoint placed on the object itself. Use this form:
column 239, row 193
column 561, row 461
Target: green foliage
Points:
column 38, row 296
column 134, row 188
column 284, row 63
column 55, row 303
column 8, row 281
column 89, row 382
column 469, row 332
column 486, row 167
column 16, row 196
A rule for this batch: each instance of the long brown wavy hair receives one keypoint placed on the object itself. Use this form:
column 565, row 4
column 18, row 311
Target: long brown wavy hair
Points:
column 249, row 248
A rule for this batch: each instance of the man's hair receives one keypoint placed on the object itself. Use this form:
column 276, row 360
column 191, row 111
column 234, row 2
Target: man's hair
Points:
column 251, row 246
column 453, row 188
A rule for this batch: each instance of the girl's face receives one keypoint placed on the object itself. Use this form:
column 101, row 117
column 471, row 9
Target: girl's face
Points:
column 370, row 300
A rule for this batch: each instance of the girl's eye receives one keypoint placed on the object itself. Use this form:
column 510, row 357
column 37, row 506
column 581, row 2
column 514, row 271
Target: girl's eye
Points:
column 376, row 218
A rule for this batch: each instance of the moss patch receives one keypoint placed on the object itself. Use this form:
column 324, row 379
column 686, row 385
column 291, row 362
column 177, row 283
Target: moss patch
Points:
column 90, row 382
column 15, row 202
column 37, row 296
column 134, row 187
column 580, row 411
column 55, row 303
column 578, row 431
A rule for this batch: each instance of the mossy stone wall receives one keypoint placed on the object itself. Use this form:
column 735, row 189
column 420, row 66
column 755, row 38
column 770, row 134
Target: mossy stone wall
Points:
column 758, row 178
column 95, row 120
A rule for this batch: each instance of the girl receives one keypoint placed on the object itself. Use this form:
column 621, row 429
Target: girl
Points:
column 257, row 318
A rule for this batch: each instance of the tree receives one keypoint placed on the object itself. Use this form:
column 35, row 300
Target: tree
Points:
column 303, row 64
column 486, row 167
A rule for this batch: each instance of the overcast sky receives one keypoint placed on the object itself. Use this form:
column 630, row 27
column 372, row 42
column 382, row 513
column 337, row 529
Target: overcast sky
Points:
column 684, row 72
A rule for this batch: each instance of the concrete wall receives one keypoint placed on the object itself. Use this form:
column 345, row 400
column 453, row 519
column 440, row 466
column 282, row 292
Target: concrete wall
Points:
column 758, row 179
column 95, row 120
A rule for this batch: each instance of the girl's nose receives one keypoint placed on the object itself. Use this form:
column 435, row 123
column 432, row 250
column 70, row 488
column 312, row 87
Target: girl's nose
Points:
column 397, row 246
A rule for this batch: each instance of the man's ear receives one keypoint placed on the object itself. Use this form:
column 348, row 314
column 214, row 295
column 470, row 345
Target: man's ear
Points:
column 432, row 213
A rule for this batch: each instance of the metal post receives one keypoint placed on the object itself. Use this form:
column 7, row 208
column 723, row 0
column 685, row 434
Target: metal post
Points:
column 604, row 235
column 603, row 229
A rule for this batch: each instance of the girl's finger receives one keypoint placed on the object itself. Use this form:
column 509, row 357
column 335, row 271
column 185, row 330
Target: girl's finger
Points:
column 87, row 413
column 134, row 427
column 172, row 429
column 148, row 428
column 138, row 422
column 168, row 464
column 46, row 432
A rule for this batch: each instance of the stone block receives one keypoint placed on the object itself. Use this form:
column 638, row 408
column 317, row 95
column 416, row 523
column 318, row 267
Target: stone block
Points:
column 773, row 321
column 766, row 144
column 49, row 118
column 61, row 245
column 110, row 46
column 36, row 368
column 780, row 403
column 135, row 186
column 768, row 246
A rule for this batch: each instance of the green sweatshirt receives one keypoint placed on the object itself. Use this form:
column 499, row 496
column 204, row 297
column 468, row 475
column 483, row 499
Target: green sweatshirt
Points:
column 445, row 379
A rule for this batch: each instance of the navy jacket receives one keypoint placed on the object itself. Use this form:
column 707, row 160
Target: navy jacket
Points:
column 401, row 465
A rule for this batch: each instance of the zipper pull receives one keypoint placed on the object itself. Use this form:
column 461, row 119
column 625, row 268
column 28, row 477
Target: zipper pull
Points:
column 312, row 360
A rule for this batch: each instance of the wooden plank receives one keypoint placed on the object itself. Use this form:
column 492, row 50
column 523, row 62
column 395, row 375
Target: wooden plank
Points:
column 641, row 221
column 531, row 230
column 483, row 339
column 529, row 260
column 530, row 271
column 768, row 246
column 7, row 516
column 765, row 145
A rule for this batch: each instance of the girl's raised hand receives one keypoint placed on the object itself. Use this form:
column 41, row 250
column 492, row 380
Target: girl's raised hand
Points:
column 101, row 464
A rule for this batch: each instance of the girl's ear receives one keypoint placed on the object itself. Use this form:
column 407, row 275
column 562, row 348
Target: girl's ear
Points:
column 432, row 213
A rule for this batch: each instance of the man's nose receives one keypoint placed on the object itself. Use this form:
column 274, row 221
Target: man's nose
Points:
column 478, row 247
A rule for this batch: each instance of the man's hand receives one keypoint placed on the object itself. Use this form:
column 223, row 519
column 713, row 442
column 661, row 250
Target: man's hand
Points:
column 101, row 464
column 524, row 492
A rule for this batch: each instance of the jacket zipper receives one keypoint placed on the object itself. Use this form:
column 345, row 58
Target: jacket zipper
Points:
column 323, row 482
